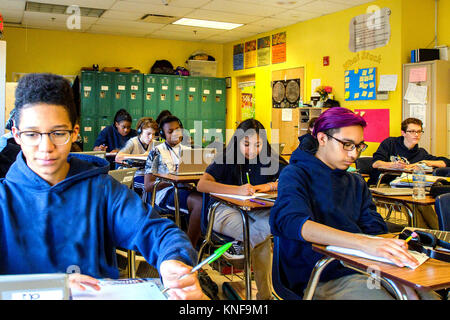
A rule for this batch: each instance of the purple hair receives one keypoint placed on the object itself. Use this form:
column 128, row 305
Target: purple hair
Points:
column 336, row 118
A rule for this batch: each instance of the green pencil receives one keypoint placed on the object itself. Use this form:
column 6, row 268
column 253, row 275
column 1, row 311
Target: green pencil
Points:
column 248, row 178
column 217, row 253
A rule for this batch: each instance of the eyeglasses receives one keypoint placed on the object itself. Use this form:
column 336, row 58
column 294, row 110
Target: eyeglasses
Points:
column 33, row 138
column 415, row 132
column 350, row 146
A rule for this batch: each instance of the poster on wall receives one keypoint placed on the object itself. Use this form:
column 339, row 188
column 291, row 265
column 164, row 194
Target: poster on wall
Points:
column 371, row 30
column 377, row 128
column 247, row 105
column 360, row 84
column 238, row 56
column 279, row 47
column 250, row 54
column 264, row 51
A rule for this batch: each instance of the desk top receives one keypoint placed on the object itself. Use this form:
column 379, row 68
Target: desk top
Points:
column 429, row 200
column 249, row 205
column 175, row 178
column 431, row 275
column 399, row 170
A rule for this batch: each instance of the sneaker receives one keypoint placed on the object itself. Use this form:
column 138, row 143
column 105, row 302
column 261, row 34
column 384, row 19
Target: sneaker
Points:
column 235, row 252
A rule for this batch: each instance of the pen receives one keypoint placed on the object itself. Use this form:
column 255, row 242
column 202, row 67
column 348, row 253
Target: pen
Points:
column 248, row 178
column 258, row 202
column 217, row 253
column 413, row 235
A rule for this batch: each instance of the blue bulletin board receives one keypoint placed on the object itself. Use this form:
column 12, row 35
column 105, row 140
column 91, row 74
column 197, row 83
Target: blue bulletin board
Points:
column 360, row 84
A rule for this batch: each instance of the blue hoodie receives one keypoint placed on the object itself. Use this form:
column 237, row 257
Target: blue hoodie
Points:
column 111, row 137
column 79, row 222
column 309, row 189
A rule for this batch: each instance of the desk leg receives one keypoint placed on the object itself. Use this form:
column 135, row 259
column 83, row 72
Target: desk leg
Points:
column 154, row 191
column 247, row 267
column 131, row 257
column 177, row 205
column 412, row 215
column 211, row 216
column 398, row 291
column 379, row 179
column 315, row 275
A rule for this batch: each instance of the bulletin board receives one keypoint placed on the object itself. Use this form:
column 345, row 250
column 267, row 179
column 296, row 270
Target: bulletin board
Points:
column 360, row 84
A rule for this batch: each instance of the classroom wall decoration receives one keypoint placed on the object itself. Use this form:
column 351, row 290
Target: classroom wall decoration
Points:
column 360, row 84
column 250, row 54
column 238, row 56
column 279, row 47
column 377, row 128
column 264, row 51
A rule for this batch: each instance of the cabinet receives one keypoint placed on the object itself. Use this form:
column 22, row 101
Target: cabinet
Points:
column 433, row 113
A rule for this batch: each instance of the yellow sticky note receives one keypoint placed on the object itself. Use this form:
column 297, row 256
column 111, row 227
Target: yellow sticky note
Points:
column 346, row 73
column 347, row 85
column 365, row 86
column 361, row 84
column 370, row 94
column 371, row 77
column 364, row 94
column 356, row 96
column 347, row 94
column 370, row 70
column 347, row 79
column 364, row 72
column 356, row 71
column 372, row 85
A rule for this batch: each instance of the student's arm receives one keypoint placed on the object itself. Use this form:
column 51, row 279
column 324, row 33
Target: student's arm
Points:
column 381, row 157
column 101, row 143
column 151, row 166
column 149, row 182
column 208, row 184
column 125, row 151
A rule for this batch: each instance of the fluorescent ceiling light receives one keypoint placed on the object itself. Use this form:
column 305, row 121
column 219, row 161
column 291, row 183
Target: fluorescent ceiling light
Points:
column 61, row 9
column 207, row 24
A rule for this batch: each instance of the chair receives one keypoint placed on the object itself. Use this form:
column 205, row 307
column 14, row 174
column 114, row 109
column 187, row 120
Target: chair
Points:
column 364, row 165
column 442, row 172
column 442, row 206
column 278, row 276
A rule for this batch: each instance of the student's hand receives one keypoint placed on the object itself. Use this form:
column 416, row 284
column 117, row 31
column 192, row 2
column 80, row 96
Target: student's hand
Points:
column 187, row 288
column 398, row 165
column 100, row 148
column 246, row 190
column 78, row 281
column 395, row 250
column 114, row 151
column 263, row 188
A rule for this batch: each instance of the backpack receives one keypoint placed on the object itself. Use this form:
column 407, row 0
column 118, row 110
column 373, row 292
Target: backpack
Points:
column 162, row 67
column 439, row 187
column 182, row 71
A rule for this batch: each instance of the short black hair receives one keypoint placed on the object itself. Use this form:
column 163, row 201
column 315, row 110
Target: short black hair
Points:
column 122, row 115
column 161, row 115
column 168, row 119
column 45, row 88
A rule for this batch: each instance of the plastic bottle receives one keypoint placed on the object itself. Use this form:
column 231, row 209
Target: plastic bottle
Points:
column 419, row 183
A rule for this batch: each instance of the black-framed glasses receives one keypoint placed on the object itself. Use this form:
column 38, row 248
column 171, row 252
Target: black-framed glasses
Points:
column 350, row 146
column 33, row 138
column 415, row 131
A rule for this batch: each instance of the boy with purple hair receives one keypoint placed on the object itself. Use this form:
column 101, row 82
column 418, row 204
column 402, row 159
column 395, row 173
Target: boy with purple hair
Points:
column 320, row 202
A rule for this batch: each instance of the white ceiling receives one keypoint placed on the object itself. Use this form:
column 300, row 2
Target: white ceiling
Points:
column 122, row 17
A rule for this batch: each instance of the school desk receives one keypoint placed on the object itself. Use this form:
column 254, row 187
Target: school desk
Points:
column 395, row 171
column 243, row 206
column 431, row 275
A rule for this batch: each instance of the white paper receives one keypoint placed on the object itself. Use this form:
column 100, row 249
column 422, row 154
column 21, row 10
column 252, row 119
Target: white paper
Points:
column 239, row 197
column 388, row 82
column 418, row 111
column 314, row 84
column 286, row 114
column 416, row 94
column 421, row 257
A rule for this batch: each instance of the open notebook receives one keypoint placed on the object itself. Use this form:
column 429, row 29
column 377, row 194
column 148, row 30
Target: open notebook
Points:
column 239, row 197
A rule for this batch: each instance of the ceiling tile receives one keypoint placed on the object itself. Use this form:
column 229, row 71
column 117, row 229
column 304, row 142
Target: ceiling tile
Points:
column 222, row 16
column 125, row 24
column 36, row 19
column 191, row 30
column 121, row 15
column 194, row 4
column 323, row 7
column 242, row 7
column 12, row 5
column 297, row 15
column 352, row 3
column 12, row 16
column 145, row 8
column 285, row 4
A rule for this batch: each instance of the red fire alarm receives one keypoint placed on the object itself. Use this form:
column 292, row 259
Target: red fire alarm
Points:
column 326, row 61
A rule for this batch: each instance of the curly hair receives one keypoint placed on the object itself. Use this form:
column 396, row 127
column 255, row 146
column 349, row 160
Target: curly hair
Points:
column 46, row 88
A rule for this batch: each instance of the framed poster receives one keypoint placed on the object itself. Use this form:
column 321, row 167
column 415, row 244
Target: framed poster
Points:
column 279, row 47
column 250, row 54
column 238, row 56
column 264, row 51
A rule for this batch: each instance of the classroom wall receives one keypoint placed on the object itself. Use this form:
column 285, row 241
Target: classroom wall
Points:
column 444, row 22
column 309, row 41
column 65, row 52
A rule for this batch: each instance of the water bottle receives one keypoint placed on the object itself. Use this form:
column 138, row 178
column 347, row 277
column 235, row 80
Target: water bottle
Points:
column 418, row 183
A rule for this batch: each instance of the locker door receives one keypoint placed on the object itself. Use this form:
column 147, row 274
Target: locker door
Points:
column 88, row 93
column 165, row 93
column 88, row 132
column 105, row 93
column 192, row 99
column 150, row 98
column 103, row 122
column 135, row 96
column 219, row 105
column 120, row 93
column 179, row 98
column 206, row 95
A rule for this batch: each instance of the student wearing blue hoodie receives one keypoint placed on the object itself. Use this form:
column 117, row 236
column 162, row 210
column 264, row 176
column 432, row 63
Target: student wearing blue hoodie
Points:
column 59, row 210
column 320, row 202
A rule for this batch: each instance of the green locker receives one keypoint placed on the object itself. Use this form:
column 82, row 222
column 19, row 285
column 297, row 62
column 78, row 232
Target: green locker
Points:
column 219, row 105
column 165, row 93
column 105, row 93
column 150, row 97
column 134, row 102
column 220, row 129
column 103, row 122
column 89, row 132
column 179, row 98
column 120, row 92
column 88, row 93
column 192, row 99
column 206, row 97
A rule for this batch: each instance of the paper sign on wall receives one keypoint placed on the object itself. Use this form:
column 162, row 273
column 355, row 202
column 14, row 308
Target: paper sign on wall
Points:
column 418, row 111
column 418, row 74
column 388, row 82
column 377, row 128
column 286, row 114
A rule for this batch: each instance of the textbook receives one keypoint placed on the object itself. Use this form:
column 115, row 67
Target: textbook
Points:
column 421, row 257
column 123, row 289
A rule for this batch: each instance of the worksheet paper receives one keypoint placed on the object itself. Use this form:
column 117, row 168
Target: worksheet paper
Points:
column 388, row 82
column 416, row 94
column 239, row 197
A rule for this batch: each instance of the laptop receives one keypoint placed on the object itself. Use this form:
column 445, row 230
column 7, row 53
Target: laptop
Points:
column 100, row 154
column 124, row 176
column 194, row 161
column 441, row 235
column 41, row 286
column 393, row 191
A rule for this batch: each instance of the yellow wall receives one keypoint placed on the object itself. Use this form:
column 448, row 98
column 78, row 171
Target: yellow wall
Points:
column 309, row 41
column 65, row 52
column 444, row 22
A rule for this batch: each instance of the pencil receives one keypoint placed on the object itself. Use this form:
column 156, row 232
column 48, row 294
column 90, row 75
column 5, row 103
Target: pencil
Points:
column 413, row 235
column 248, row 178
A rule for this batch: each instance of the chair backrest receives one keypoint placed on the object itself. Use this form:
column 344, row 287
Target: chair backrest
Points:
column 442, row 172
column 124, row 176
column 364, row 165
column 442, row 206
column 277, row 275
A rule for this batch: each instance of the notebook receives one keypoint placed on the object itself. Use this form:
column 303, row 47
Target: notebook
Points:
column 393, row 191
column 194, row 161
column 239, row 197
column 42, row 286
